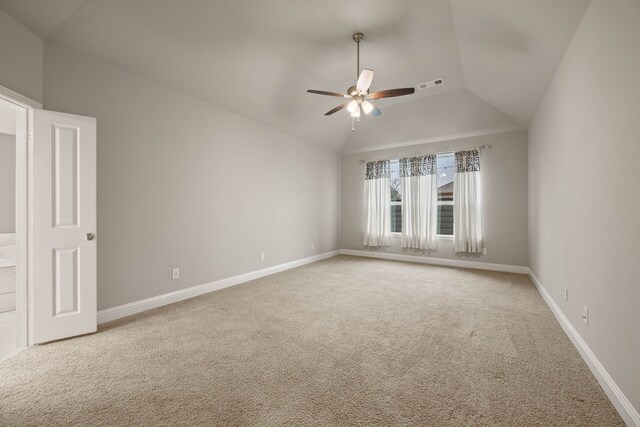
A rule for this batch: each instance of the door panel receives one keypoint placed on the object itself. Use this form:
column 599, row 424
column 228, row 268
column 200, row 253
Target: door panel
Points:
column 63, row 213
column 65, row 176
column 66, row 287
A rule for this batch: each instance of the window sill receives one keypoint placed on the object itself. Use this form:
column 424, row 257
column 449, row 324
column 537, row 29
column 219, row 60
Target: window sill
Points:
column 439, row 236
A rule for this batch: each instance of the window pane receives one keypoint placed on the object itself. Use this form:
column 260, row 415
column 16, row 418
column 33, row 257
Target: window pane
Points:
column 396, row 218
column 396, row 188
column 396, row 196
column 445, row 220
column 446, row 173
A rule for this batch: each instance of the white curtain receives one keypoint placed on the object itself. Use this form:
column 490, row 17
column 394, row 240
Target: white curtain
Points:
column 467, row 202
column 419, row 202
column 377, row 203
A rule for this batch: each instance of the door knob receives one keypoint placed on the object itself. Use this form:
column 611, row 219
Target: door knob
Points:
column 89, row 236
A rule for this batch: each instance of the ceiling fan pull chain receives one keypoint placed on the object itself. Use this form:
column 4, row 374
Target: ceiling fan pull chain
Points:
column 353, row 124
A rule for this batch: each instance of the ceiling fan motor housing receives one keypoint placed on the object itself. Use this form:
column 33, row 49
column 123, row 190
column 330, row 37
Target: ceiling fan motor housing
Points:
column 353, row 91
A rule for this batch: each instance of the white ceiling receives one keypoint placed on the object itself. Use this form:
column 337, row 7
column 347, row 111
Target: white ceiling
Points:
column 406, row 42
column 257, row 58
column 40, row 16
column 510, row 49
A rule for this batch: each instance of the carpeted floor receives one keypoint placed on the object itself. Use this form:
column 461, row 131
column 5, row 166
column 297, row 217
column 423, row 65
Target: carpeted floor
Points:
column 345, row 341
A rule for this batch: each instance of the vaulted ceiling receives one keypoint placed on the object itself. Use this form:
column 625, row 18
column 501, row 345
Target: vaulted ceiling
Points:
column 258, row 58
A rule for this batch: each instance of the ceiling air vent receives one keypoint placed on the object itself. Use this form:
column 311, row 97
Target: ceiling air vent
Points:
column 432, row 83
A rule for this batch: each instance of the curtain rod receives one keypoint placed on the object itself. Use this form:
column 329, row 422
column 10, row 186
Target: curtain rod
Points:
column 481, row 147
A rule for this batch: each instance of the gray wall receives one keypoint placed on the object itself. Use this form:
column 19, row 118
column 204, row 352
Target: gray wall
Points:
column 21, row 63
column 504, row 187
column 7, row 183
column 182, row 183
column 584, row 147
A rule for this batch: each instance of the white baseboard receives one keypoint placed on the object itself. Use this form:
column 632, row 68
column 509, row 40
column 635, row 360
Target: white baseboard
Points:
column 626, row 410
column 438, row 261
column 124, row 310
column 9, row 349
column 8, row 344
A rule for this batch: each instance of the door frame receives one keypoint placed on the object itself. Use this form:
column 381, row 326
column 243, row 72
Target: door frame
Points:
column 24, row 133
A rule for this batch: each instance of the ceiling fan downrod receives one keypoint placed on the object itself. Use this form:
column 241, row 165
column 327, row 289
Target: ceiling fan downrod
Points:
column 357, row 37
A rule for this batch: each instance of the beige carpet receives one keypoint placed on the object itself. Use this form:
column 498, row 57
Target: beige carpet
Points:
column 346, row 341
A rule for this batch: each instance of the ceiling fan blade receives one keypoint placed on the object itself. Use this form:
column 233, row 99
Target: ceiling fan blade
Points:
column 364, row 81
column 389, row 93
column 338, row 108
column 323, row 92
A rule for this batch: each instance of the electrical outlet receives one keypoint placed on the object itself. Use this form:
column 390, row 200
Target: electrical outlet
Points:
column 566, row 294
column 261, row 256
column 175, row 274
column 313, row 245
column 484, row 251
column 585, row 314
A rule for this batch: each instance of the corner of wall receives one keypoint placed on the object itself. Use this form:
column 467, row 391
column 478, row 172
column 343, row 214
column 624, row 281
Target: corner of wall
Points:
column 22, row 58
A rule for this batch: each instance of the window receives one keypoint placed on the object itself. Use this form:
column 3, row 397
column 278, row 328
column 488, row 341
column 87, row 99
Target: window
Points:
column 446, row 172
column 396, row 197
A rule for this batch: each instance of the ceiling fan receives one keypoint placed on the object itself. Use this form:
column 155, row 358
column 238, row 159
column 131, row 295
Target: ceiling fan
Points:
column 358, row 96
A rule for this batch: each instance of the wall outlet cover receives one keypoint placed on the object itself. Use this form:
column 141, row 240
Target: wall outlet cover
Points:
column 175, row 274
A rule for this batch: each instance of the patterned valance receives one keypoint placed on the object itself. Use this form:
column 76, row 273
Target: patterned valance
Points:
column 378, row 169
column 418, row 166
column 468, row 161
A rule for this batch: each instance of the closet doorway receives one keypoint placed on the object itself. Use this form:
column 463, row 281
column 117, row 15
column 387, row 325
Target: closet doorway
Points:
column 13, row 232
column 48, row 245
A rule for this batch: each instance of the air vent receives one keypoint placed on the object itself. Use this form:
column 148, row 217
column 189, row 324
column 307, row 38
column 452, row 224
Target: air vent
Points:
column 432, row 83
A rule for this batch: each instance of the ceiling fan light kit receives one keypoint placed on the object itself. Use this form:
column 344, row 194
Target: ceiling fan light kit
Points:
column 367, row 107
column 358, row 95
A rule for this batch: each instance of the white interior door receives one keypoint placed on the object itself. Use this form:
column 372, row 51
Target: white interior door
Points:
column 62, row 226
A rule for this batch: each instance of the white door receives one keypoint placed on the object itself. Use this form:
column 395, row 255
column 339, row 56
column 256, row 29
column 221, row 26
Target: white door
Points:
column 62, row 226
